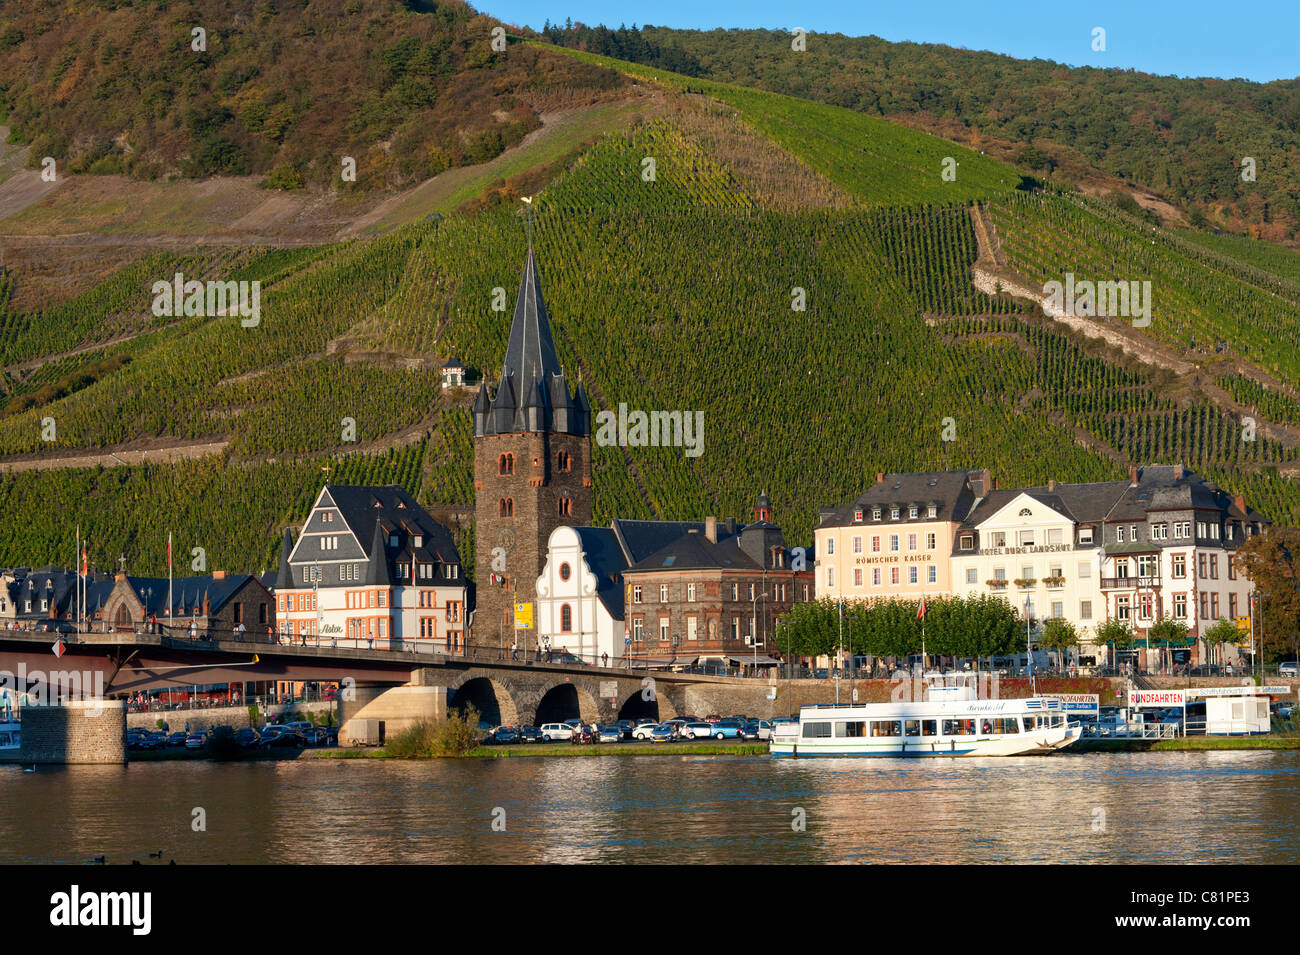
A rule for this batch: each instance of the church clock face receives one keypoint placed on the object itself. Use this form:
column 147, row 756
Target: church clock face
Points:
column 506, row 539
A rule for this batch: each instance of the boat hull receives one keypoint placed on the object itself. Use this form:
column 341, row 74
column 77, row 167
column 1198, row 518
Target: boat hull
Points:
column 1035, row 743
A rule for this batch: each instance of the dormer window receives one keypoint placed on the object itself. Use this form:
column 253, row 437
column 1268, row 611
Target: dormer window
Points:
column 966, row 542
column 913, row 512
column 857, row 515
column 893, row 513
column 419, row 540
column 392, row 540
column 932, row 512
column 875, row 513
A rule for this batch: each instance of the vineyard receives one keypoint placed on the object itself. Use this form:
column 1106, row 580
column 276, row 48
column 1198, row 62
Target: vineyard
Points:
column 821, row 342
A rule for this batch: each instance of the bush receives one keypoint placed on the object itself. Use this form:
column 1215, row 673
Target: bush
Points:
column 284, row 176
column 454, row 736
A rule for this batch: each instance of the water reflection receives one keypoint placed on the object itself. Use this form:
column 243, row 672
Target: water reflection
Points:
column 1129, row 807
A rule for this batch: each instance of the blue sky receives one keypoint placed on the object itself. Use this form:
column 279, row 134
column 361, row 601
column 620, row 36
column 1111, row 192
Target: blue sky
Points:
column 1255, row 39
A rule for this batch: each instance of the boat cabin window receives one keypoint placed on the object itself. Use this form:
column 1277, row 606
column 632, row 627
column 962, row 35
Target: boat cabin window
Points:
column 886, row 727
column 913, row 727
column 851, row 728
column 816, row 730
column 1031, row 723
column 4, row 739
column 958, row 727
column 929, row 727
column 1007, row 725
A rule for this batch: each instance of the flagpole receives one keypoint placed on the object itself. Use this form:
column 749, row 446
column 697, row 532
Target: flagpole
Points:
column 169, row 583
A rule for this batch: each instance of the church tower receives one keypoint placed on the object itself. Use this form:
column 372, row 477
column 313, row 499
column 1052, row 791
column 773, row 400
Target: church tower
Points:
column 532, row 467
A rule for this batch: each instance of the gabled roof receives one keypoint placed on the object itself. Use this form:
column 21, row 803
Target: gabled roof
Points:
column 604, row 558
column 694, row 551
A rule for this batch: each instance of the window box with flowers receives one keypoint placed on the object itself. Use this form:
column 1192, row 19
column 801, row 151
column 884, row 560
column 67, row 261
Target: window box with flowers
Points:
column 996, row 584
column 1024, row 583
column 1054, row 583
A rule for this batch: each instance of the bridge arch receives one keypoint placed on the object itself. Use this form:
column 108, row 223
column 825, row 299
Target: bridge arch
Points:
column 636, row 706
column 490, row 697
column 566, row 701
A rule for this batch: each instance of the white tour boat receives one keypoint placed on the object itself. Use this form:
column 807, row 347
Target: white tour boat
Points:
column 951, row 721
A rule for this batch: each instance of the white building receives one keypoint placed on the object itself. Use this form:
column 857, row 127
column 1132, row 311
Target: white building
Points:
column 580, row 594
column 371, row 568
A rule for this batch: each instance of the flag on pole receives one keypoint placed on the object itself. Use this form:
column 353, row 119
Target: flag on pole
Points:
column 920, row 611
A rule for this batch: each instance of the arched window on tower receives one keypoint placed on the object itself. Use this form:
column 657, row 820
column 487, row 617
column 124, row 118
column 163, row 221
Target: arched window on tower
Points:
column 563, row 461
column 506, row 463
column 506, row 507
column 566, row 506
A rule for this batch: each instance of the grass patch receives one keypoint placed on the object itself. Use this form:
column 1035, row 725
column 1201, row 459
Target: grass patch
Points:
column 1225, row 742
column 456, row 735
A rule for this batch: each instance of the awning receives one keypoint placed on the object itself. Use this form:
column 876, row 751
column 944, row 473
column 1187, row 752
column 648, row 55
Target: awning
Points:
column 750, row 659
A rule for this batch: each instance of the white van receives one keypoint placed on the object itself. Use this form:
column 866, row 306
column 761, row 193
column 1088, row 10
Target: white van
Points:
column 556, row 731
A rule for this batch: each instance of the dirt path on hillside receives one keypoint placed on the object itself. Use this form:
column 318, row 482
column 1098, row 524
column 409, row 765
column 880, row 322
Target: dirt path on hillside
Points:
column 20, row 186
column 162, row 453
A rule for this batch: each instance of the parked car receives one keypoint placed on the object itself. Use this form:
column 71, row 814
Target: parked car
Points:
column 195, row 741
column 643, row 730
column 247, row 737
column 317, row 736
column 554, row 732
column 566, row 658
column 609, row 734
column 301, row 726
column 1289, row 668
column 505, row 734
column 663, row 733
column 282, row 738
column 757, row 729
column 712, row 718
column 700, row 730
column 625, row 727
column 530, row 734
column 177, row 739
column 728, row 729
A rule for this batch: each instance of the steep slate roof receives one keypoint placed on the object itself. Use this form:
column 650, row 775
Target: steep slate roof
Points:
column 1082, row 503
column 694, row 551
column 532, row 394
column 605, row 559
column 949, row 491
column 188, row 593
column 640, row 539
column 58, row 585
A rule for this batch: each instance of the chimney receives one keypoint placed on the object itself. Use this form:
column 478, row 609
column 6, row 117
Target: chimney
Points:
column 1178, row 472
column 986, row 482
column 1240, row 501
column 711, row 529
column 1051, row 484
column 218, row 575
column 880, row 477
column 1133, row 475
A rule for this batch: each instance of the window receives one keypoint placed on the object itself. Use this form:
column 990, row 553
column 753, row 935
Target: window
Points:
column 997, row 538
column 966, row 542
column 932, row 512
column 566, row 619
column 893, row 575
column 972, row 575
column 857, row 576
column 1145, row 602
column 893, row 542
column 875, row 513
column 851, row 729
column 830, row 576
column 506, row 507
column 636, row 594
column 1054, row 535
column 1085, row 570
column 563, row 461
column 663, row 593
column 1085, row 535
column 1180, row 565
column 1214, row 566
column 565, row 506
column 1214, row 606
column 911, row 574
column 1058, row 608
column 932, row 574
column 911, row 542
column 830, row 545
column 690, row 592
column 893, row 513
column 1026, row 538
column 1122, row 608
column 638, row 629
column 1201, row 566
column 1232, row 570
column 1085, row 609
column 735, row 591
column 886, row 727
column 692, row 628
column 1148, row 565
column 816, row 730
column 1000, row 573
column 1232, row 605
column 1200, row 530
column 857, row 545
column 663, row 629
column 735, row 628
column 1205, row 606
column 913, row 512
column 875, row 544
column 875, row 576
column 505, row 464
column 1119, row 534
column 1180, row 606
column 931, row 541
column 1159, row 532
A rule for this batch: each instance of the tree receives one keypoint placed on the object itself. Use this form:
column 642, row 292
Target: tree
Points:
column 1059, row 634
column 1225, row 631
column 1271, row 561
column 1168, row 631
column 813, row 629
column 1117, row 633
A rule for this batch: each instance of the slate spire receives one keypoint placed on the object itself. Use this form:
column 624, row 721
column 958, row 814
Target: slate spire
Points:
column 531, row 349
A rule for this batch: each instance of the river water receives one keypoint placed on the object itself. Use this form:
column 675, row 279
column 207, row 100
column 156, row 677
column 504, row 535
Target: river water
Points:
column 1216, row 807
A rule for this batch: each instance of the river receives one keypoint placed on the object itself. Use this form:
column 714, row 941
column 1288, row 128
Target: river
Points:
column 1218, row 807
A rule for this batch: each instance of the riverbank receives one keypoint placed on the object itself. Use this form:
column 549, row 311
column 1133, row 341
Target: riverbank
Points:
column 562, row 750
column 1185, row 744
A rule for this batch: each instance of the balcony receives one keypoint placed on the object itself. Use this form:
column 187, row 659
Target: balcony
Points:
column 1129, row 583
column 1054, row 583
